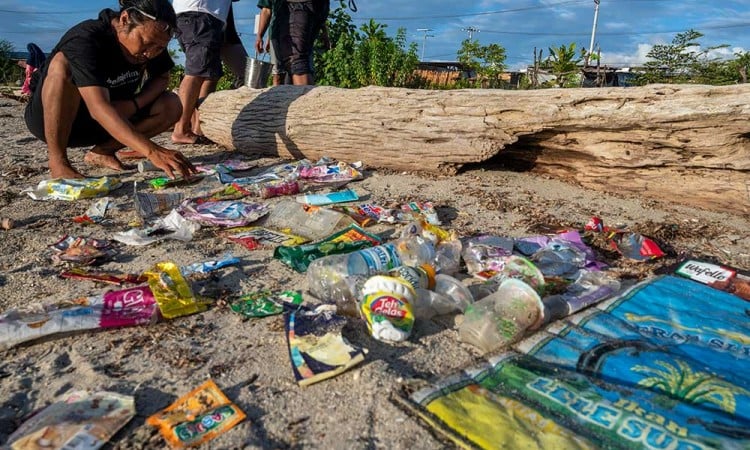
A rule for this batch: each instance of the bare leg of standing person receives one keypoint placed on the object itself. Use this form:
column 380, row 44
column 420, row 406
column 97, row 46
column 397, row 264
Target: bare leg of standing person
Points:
column 190, row 89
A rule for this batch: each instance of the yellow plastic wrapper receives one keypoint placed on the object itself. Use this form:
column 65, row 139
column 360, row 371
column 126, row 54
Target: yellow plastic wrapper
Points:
column 172, row 292
column 73, row 189
column 197, row 417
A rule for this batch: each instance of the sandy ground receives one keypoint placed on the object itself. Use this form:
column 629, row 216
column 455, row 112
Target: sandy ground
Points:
column 248, row 359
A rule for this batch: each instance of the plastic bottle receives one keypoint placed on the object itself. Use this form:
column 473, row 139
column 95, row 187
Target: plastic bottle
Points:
column 502, row 318
column 588, row 289
column 310, row 222
column 347, row 293
column 325, row 273
column 559, row 259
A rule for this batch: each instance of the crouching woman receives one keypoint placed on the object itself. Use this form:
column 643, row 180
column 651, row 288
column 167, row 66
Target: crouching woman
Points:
column 105, row 85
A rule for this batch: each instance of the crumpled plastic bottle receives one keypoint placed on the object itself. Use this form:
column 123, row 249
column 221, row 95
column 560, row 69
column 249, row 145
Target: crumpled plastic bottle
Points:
column 588, row 289
column 559, row 258
column 325, row 273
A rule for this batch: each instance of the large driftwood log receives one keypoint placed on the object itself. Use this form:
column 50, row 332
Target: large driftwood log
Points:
column 681, row 143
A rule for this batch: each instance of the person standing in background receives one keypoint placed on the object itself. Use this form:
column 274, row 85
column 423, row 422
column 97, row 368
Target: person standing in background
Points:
column 269, row 14
column 201, row 24
column 233, row 53
column 299, row 25
column 234, row 56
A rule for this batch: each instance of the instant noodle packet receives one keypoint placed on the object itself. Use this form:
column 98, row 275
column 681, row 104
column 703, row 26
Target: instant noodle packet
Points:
column 197, row 417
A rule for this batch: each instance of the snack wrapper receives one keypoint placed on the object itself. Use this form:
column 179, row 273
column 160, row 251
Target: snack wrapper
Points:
column 197, row 417
column 263, row 304
column 227, row 213
column 230, row 192
column 81, row 250
column 80, row 420
column 331, row 173
column 117, row 279
column 172, row 292
column 73, row 189
column 127, row 307
column 347, row 195
column 255, row 237
column 95, row 213
column 316, row 348
column 166, row 182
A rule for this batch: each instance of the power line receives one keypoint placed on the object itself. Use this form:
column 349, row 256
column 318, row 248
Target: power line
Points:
column 625, row 33
column 483, row 13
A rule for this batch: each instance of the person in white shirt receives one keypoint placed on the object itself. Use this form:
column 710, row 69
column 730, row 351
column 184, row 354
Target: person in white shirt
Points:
column 201, row 26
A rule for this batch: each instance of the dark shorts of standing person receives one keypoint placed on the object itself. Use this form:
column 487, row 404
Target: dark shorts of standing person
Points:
column 201, row 37
column 86, row 132
column 298, row 30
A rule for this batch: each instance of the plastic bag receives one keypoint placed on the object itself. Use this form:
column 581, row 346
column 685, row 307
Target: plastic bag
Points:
column 73, row 189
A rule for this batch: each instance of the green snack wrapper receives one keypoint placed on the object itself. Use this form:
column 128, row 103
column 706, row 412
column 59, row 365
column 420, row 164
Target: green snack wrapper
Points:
column 264, row 303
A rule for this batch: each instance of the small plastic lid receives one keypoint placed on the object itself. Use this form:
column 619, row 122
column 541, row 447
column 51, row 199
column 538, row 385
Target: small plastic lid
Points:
column 430, row 271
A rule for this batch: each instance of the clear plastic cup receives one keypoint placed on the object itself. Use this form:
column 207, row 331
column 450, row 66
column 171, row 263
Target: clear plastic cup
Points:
column 503, row 317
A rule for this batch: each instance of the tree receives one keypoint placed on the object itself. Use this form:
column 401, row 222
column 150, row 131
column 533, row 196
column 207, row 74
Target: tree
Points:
column 488, row 61
column 563, row 62
column 685, row 61
column 10, row 72
column 365, row 56
column 741, row 64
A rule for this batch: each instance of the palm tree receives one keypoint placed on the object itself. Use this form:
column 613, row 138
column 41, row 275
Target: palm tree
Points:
column 679, row 381
column 563, row 62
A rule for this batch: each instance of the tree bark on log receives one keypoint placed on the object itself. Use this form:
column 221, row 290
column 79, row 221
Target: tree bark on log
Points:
column 683, row 143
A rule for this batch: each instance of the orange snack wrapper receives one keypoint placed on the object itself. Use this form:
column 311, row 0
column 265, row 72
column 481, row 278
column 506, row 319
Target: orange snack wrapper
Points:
column 197, row 417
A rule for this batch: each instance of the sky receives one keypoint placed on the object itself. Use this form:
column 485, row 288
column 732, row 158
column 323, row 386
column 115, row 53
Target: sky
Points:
column 625, row 29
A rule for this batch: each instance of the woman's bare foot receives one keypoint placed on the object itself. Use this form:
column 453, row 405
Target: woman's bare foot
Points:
column 64, row 171
column 109, row 161
column 185, row 138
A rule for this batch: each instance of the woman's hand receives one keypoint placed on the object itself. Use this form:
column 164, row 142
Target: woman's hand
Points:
column 171, row 162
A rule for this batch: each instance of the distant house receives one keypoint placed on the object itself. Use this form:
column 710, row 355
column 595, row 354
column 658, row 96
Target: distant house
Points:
column 443, row 73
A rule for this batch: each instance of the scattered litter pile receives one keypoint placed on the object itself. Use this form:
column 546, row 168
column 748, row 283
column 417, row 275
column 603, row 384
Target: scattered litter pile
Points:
column 578, row 356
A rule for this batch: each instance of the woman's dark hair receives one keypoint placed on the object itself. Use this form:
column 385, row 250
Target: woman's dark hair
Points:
column 142, row 10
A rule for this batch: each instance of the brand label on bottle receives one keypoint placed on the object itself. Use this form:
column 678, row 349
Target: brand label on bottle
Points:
column 415, row 276
column 381, row 258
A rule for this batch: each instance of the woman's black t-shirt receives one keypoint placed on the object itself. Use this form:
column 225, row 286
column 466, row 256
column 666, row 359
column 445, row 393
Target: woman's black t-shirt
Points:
column 96, row 58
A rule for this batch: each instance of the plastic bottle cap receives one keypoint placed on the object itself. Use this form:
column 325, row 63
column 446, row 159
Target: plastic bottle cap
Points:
column 430, row 271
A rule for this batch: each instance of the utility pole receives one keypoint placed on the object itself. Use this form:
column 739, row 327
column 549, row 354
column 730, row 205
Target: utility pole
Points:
column 593, row 32
column 424, row 40
column 471, row 31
